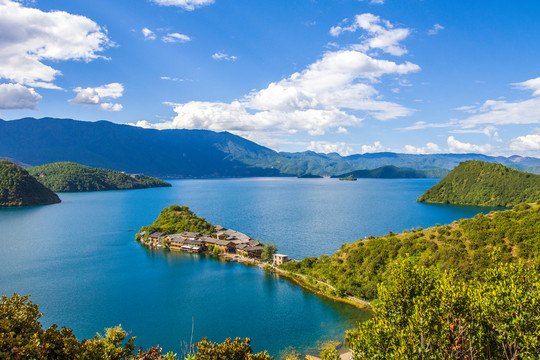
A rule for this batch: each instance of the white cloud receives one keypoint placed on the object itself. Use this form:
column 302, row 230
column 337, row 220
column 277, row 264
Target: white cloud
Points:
column 329, row 147
column 435, row 29
column 148, row 34
column 16, row 96
column 376, row 147
column 526, row 143
column 175, row 37
column 327, row 95
column 171, row 78
column 97, row 95
column 532, row 84
column 184, row 4
column 503, row 112
column 430, row 148
column 31, row 36
column 342, row 130
column 222, row 56
column 456, row 146
column 382, row 34
column 420, row 125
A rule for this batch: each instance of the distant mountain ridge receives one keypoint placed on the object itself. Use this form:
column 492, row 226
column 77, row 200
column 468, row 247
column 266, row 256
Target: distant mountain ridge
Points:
column 393, row 172
column 194, row 153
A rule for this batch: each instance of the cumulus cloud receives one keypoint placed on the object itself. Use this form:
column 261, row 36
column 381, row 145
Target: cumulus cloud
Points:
column 31, row 36
column 328, row 94
column 435, row 29
column 526, row 143
column 175, row 37
column 376, row 147
column 329, row 147
column 184, row 4
column 381, row 34
column 503, row 112
column 222, row 56
column 430, row 148
column 148, row 34
column 16, row 96
column 99, row 96
column 456, row 146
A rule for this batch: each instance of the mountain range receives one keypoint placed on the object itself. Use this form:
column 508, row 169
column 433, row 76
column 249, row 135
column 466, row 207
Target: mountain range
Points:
column 196, row 153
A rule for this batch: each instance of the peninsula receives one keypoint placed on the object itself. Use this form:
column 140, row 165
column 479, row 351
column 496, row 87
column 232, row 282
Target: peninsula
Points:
column 484, row 184
column 73, row 177
column 18, row 188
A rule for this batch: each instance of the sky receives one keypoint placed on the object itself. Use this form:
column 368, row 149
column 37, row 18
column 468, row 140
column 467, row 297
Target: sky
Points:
column 346, row 76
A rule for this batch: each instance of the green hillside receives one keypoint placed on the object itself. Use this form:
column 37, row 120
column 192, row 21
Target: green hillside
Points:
column 177, row 219
column 484, row 184
column 394, row 172
column 72, row 177
column 463, row 246
column 18, row 188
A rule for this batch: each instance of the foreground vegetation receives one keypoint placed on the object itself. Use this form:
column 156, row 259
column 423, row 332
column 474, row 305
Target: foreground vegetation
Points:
column 425, row 313
column 72, row 177
column 22, row 337
column 463, row 247
column 177, row 219
column 18, row 188
column 484, row 184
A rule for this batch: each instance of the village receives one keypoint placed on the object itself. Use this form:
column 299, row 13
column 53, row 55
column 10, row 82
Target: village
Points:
column 228, row 243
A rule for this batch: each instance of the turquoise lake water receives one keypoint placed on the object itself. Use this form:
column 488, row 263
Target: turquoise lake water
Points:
column 81, row 264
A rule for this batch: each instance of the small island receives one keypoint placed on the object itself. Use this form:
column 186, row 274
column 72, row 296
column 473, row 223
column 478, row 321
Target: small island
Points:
column 482, row 183
column 73, row 177
column 349, row 178
column 177, row 228
column 19, row 188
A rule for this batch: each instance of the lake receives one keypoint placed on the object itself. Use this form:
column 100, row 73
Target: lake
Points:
column 80, row 262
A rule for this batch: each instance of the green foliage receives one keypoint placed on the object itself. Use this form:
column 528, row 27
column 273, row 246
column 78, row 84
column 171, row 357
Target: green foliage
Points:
column 228, row 350
column 463, row 247
column 290, row 353
column 18, row 188
column 72, row 177
column 484, row 184
column 329, row 350
column 428, row 314
column 268, row 251
column 176, row 219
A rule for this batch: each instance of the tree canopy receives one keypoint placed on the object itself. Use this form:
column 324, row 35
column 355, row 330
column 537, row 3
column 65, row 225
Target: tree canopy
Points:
column 177, row 219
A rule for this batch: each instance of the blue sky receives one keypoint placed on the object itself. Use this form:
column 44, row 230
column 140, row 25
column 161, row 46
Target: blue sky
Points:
column 338, row 75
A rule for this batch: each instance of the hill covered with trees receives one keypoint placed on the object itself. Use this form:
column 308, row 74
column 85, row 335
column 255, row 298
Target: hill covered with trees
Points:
column 394, row 172
column 72, row 177
column 176, row 219
column 484, row 184
column 19, row 188
column 463, row 247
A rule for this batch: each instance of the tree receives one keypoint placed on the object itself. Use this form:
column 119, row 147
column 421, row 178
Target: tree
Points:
column 228, row 350
column 426, row 313
column 268, row 251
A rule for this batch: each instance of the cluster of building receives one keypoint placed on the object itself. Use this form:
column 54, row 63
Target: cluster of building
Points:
column 227, row 241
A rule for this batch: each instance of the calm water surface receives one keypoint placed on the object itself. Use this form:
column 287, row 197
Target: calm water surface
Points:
column 81, row 264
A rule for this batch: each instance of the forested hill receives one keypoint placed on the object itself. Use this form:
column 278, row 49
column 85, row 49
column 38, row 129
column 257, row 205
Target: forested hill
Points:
column 484, row 184
column 463, row 246
column 72, row 177
column 178, row 219
column 393, row 172
column 18, row 188
column 194, row 153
